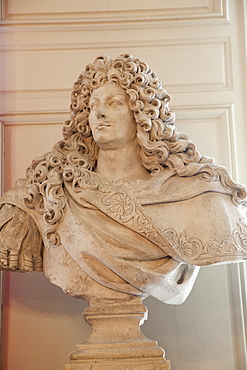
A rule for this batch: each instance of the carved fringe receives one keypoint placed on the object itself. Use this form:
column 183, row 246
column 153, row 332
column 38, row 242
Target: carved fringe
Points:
column 21, row 245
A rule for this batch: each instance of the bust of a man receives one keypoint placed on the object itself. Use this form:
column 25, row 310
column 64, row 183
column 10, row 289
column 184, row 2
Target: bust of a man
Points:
column 124, row 202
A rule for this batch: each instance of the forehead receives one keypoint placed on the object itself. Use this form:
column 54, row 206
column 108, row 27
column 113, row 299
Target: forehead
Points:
column 108, row 90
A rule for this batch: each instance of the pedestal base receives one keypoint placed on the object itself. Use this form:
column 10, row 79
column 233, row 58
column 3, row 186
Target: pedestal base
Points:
column 120, row 356
column 116, row 365
column 116, row 342
column 119, row 366
column 127, row 365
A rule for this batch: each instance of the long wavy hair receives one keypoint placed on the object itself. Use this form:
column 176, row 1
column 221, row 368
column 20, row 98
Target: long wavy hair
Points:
column 161, row 145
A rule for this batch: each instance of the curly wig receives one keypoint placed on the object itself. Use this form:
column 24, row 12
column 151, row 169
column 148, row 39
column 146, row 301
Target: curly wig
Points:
column 161, row 145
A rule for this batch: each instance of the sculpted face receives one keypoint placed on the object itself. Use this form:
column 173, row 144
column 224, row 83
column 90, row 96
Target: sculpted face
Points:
column 111, row 119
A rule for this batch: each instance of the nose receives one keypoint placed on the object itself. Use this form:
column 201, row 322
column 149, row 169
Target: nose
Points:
column 100, row 113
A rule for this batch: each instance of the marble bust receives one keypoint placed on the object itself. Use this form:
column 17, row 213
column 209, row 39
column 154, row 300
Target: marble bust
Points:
column 124, row 206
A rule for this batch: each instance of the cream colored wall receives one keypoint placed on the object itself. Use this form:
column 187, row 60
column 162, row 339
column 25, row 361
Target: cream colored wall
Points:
column 197, row 48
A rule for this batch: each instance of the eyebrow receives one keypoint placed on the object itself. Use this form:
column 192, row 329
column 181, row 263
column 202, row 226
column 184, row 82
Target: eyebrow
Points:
column 109, row 96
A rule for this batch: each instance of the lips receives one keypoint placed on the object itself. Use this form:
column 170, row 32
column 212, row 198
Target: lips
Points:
column 102, row 125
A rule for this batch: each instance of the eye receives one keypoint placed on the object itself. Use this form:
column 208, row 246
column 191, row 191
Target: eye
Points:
column 115, row 103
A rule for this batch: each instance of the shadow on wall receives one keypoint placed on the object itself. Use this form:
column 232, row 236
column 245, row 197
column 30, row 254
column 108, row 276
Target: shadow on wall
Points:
column 34, row 291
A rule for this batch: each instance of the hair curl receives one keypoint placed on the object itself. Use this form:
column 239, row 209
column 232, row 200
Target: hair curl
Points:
column 162, row 146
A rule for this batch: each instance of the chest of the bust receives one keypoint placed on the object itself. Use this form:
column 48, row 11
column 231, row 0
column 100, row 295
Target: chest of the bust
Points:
column 205, row 229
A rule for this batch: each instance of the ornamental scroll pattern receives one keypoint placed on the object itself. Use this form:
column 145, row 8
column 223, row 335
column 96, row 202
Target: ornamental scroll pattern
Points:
column 119, row 205
column 194, row 251
column 116, row 202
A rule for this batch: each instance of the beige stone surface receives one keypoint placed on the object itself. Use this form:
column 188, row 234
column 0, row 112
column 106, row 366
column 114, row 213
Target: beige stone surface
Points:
column 121, row 365
column 122, row 208
column 116, row 340
column 126, row 365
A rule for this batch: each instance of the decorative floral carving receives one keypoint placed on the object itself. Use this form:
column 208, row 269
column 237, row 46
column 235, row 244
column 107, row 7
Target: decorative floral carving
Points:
column 117, row 202
column 192, row 250
column 240, row 236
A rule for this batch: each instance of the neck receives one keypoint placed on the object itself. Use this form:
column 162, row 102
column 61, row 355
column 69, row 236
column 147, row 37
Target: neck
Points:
column 122, row 163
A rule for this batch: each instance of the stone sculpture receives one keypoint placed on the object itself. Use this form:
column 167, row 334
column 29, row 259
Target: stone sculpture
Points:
column 122, row 208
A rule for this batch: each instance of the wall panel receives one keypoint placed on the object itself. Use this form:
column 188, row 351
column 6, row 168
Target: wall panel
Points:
column 114, row 10
column 212, row 129
column 204, row 339
column 213, row 56
column 37, row 84
column 39, row 141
